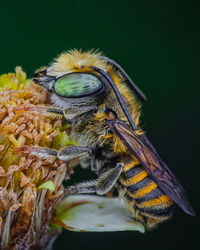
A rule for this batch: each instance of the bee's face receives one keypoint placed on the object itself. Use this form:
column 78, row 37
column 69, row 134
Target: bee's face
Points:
column 71, row 81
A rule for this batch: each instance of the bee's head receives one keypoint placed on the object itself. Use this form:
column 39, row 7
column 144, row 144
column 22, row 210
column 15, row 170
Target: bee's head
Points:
column 81, row 80
column 71, row 81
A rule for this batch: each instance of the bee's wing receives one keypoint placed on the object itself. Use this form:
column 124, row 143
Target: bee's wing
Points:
column 144, row 151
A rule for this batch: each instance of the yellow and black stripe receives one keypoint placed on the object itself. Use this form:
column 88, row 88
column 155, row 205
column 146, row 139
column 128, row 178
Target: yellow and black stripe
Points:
column 143, row 195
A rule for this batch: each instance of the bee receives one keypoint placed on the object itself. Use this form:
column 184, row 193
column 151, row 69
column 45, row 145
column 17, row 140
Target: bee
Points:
column 100, row 101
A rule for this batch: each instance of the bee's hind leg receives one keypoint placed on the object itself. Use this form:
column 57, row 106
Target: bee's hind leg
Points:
column 82, row 188
column 101, row 185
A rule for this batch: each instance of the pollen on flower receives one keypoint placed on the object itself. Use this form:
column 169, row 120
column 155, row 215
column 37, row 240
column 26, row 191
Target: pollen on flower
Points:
column 25, row 209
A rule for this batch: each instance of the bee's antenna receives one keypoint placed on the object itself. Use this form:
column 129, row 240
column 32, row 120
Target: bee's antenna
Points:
column 112, row 84
column 127, row 78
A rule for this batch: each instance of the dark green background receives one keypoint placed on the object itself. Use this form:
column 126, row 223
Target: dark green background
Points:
column 157, row 42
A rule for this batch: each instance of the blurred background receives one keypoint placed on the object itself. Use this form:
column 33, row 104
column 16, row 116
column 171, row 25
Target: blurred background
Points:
column 157, row 42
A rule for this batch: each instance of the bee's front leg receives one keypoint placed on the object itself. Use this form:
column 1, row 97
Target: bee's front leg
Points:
column 65, row 154
column 101, row 185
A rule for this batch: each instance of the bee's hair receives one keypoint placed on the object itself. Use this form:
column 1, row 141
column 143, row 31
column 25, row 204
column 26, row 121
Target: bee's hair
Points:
column 129, row 81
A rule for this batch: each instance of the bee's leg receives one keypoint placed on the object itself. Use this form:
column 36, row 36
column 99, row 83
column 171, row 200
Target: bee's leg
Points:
column 65, row 154
column 82, row 188
column 108, row 179
column 72, row 152
column 44, row 110
column 101, row 185
column 69, row 112
column 73, row 111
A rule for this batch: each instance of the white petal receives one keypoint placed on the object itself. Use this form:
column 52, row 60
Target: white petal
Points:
column 96, row 214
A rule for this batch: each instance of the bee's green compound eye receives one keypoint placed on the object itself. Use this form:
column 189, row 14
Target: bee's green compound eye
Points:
column 77, row 85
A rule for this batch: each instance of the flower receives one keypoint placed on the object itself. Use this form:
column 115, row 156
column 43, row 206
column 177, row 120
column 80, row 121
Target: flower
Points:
column 91, row 213
column 31, row 189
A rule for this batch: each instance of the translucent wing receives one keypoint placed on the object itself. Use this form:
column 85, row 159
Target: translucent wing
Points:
column 143, row 150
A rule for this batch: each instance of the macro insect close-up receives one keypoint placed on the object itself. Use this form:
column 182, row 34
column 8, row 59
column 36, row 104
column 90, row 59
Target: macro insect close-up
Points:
column 101, row 103
column 99, row 125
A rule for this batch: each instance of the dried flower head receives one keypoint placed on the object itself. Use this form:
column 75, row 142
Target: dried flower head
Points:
column 27, row 202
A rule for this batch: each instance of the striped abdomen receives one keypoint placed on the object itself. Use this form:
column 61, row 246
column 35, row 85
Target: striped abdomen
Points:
column 148, row 202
